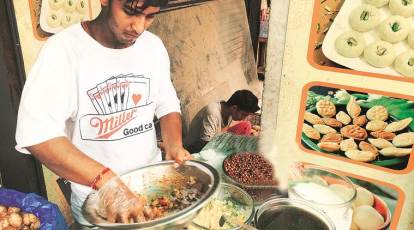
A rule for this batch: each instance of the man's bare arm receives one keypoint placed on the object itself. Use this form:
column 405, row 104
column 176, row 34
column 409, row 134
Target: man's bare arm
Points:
column 64, row 159
column 171, row 132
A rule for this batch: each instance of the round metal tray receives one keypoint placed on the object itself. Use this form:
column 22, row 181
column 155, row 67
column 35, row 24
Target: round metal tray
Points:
column 157, row 179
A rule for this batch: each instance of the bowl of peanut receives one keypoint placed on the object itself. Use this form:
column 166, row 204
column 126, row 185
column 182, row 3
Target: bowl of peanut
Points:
column 253, row 173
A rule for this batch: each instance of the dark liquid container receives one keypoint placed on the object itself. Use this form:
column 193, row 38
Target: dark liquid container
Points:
column 290, row 218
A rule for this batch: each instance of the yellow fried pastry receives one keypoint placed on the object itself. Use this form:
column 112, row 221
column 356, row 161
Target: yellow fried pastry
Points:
column 384, row 135
column 380, row 143
column 332, row 137
column 354, row 131
column 376, row 125
column 360, row 120
column 343, row 117
column 332, row 122
column 398, row 125
column 348, row 144
column 395, row 152
column 377, row 112
column 403, row 140
column 362, row 156
column 311, row 132
column 325, row 108
column 324, row 129
column 329, row 146
column 365, row 146
column 353, row 107
column 312, row 118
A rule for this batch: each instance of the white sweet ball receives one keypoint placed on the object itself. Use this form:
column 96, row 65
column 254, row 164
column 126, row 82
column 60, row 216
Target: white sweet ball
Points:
column 350, row 44
column 404, row 63
column 394, row 29
column 364, row 18
column 380, row 54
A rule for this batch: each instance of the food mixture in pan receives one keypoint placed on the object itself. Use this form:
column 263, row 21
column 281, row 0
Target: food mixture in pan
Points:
column 180, row 198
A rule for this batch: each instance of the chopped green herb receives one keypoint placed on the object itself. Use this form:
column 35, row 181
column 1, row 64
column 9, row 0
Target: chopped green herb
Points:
column 318, row 27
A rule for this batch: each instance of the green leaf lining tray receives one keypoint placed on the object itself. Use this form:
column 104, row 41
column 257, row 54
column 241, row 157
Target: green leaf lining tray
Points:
column 398, row 109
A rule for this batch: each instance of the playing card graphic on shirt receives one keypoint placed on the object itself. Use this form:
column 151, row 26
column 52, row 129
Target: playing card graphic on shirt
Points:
column 137, row 88
column 96, row 100
column 113, row 96
column 117, row 102
column 104, row 93
column 121, row 84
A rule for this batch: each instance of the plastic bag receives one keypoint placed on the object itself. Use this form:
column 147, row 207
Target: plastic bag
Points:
column 49, row 214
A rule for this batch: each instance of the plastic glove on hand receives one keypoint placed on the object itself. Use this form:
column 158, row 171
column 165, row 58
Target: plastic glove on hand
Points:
column 114, row 202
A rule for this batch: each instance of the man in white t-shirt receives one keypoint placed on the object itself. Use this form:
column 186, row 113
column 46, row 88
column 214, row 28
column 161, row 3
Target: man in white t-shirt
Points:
column 217, row 117
column 88, row 105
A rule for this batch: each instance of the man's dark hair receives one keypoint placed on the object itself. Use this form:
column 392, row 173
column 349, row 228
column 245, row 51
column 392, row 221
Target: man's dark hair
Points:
column 245, row 100
column 147, row 3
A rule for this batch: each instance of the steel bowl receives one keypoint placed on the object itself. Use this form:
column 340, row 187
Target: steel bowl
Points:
column 266, row 214
column 161, row 178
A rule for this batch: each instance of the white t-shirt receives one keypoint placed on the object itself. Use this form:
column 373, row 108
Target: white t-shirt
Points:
column 104, row 100
column 205, row 125
column 212, row 122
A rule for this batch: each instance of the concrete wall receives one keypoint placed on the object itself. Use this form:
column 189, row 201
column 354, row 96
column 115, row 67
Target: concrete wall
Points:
column 211, row 53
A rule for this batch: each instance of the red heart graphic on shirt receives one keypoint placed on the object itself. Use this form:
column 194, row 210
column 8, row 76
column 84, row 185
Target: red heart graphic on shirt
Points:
column 136, row 98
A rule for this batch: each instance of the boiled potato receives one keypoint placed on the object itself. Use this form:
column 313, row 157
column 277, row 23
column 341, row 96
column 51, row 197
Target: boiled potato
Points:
column 367, row 218
column 363, row 197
